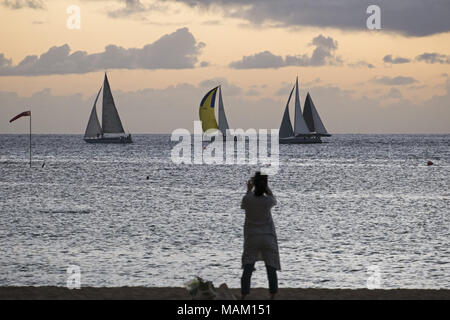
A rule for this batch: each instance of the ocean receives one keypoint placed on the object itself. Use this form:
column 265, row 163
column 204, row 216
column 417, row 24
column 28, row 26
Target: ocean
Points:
column 355, row 209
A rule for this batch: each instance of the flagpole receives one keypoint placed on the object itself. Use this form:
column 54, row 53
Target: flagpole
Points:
column 30, row 139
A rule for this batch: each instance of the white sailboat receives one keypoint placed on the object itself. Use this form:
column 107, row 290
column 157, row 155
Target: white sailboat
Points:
column 111, row 130
column 301, row 133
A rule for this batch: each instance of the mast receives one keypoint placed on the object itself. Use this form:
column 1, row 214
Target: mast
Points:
column 300, row 126
column 110, row 117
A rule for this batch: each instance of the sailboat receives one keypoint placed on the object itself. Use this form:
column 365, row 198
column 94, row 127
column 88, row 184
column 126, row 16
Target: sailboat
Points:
column 312, row 118
column 111, row 124
column 308, row 127
column 207, row 116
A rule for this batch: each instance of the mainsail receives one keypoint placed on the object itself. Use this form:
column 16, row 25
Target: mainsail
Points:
column 206, row 111
column 300, row 126
column 110, row 117
column 312, row 117
column 93, row 128
column 286, row 126
column 223, row 123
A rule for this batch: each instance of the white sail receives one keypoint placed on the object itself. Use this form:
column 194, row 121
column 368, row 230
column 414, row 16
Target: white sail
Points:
column 286, row 125
column 312, row 117
column 93, row 128
column 300, row 126
column 223, row 123
column 110, row 117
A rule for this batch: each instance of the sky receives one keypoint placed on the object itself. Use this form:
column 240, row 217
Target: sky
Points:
column 162, row 56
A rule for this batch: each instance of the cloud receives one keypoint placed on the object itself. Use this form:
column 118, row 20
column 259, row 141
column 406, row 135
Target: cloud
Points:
column 361, row 64
column 20, row 4
column 434, row 58
column 228, row 89
column 131, row 7
column 134, row 8
column 395, row 81
column 323, row 54
column 285, row 89
column 178, row 50
column 252, row 93
column 264, row 59
column 407, row 17
column 4, row 62
column 398, row 60
column 394, row 93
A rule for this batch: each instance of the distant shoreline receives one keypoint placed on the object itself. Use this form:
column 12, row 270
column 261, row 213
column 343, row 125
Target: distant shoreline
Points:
column 170, row 293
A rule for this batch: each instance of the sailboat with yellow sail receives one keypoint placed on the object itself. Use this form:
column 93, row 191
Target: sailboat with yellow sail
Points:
column 207, row 114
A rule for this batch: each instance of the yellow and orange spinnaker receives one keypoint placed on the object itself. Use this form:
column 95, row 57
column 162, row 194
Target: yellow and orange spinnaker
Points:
column 206, row 111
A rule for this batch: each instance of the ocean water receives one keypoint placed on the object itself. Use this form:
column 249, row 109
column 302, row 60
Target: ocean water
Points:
column 356, row 204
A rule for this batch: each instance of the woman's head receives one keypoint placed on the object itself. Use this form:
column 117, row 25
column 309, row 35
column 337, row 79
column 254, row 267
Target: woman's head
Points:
column 260, row 183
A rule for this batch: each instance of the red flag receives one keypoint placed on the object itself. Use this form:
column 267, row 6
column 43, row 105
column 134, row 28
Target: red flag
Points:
column 23, row 114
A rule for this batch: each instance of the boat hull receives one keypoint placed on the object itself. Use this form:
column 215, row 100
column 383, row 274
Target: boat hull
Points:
column 119, row 140
column 301, row 140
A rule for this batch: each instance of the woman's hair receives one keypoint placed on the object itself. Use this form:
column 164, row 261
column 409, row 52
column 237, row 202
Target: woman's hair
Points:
column 260, row 183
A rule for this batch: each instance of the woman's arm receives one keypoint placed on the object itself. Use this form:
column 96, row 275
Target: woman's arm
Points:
column 249, row 189
column 271, row 197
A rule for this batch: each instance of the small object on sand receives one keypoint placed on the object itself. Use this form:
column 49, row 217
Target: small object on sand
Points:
column 201, row 289
column 148, row 177
column 429, row 163
column 43, row 165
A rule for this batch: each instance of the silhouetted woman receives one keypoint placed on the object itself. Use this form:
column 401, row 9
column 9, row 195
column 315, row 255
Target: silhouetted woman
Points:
column 260, row 239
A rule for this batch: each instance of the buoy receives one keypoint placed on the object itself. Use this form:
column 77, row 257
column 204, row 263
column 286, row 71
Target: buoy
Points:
column 429, row 163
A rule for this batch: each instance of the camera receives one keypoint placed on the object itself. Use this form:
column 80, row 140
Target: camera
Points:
column 259, row 178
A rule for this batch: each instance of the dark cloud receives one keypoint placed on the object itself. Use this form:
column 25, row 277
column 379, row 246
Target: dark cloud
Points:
column 178, row 50
column 408, row 17
column 397, row 60
column 131, row 7
column 434, row 58
column 20, row 4
column 395, row 81
column 323, row 54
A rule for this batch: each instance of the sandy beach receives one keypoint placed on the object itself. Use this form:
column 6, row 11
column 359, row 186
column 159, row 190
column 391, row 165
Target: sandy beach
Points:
column 138, row 293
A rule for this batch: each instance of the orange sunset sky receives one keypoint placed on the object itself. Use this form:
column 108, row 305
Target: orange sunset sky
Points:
column 163, row 56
